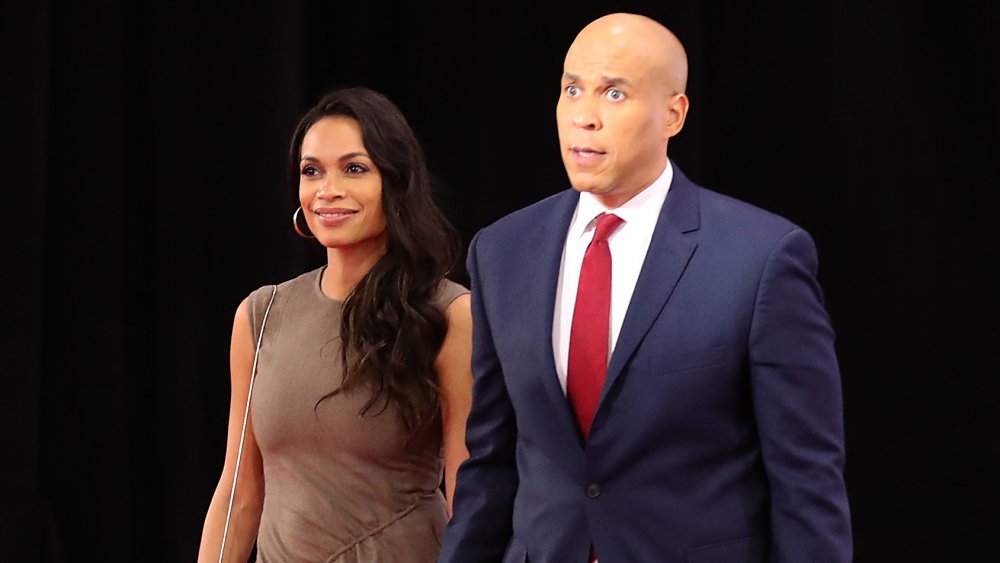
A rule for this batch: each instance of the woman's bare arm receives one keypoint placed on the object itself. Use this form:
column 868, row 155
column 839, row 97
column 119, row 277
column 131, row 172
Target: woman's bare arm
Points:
column 249, row 497
column 454, row 368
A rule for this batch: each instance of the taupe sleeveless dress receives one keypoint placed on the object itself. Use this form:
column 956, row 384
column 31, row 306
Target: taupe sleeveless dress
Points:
column 338, row 487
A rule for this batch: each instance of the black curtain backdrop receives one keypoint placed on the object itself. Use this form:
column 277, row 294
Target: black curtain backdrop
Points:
column 145, row 155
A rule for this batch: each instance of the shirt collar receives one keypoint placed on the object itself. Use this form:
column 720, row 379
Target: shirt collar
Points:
column 644, row 207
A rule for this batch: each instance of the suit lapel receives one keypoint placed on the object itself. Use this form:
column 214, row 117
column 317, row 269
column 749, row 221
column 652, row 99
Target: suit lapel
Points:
column 670, row 249
column 546, row 247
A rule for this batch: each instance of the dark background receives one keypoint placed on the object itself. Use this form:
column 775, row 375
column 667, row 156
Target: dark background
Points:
column 145, row 157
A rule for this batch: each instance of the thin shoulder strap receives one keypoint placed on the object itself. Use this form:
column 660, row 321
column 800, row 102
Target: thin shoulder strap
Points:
column 243, row 432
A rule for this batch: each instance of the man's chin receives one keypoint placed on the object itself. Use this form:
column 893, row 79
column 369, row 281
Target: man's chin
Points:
column 586, row 183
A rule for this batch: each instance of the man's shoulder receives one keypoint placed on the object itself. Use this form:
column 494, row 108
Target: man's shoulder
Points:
column 538, row 215
column 725, row 223
column 722, row 211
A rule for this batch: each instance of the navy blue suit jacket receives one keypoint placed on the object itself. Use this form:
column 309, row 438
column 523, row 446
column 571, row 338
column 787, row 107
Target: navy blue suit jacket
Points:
column 719, row 433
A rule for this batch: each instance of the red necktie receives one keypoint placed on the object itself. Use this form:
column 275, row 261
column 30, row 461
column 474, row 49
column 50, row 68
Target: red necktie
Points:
column 588, row 340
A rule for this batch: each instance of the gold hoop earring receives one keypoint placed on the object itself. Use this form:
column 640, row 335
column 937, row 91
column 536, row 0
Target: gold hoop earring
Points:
column 295, row 224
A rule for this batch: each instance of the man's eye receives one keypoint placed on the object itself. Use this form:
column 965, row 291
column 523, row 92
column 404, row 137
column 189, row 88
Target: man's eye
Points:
column 573, row 90
column 615, row 94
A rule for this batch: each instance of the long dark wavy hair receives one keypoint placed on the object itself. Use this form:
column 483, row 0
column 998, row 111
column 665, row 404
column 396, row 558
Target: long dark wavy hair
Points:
column 391, row 331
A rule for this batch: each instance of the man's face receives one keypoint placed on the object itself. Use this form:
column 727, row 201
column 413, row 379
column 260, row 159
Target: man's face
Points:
column 611, row 117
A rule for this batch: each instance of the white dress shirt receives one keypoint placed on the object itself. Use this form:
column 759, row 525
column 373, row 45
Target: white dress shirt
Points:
column 628, row 245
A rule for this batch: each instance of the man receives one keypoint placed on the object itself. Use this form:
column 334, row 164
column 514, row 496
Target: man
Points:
column 655, row 378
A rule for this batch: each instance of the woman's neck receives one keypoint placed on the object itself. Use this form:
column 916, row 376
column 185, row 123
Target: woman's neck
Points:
column 346, row 266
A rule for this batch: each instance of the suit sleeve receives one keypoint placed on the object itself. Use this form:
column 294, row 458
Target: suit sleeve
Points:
column 481, row 528
column 798, row 407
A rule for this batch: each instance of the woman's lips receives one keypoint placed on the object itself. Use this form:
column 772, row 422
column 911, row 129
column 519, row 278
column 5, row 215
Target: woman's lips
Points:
column 333, row 217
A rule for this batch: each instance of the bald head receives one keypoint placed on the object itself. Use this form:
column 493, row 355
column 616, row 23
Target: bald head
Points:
column 622, row 100
column 642, row 41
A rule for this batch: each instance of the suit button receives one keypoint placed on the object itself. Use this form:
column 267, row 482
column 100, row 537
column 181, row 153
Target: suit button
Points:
column 593, row 490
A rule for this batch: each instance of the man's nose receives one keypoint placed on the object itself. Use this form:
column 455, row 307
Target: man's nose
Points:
column 586, row 116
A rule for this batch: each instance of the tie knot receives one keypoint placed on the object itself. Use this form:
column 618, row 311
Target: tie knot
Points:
column 606, row 224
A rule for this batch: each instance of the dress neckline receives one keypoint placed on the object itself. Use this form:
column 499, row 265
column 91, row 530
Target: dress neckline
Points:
column 318, row 287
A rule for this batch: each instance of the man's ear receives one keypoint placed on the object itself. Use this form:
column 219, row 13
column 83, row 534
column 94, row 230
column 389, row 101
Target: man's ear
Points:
column 675, row 112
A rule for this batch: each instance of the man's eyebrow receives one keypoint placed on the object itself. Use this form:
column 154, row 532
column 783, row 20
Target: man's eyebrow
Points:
column 606, row 80
column 615, row 81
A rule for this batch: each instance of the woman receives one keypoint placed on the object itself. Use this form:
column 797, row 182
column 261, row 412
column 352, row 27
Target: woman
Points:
column 363, row 375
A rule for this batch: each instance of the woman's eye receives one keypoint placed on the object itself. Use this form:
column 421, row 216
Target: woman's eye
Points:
column 615, row 94
column 309, row 171
column 355, row 168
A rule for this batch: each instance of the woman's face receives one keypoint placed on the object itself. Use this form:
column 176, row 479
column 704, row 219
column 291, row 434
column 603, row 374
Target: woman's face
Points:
column 340, row 189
